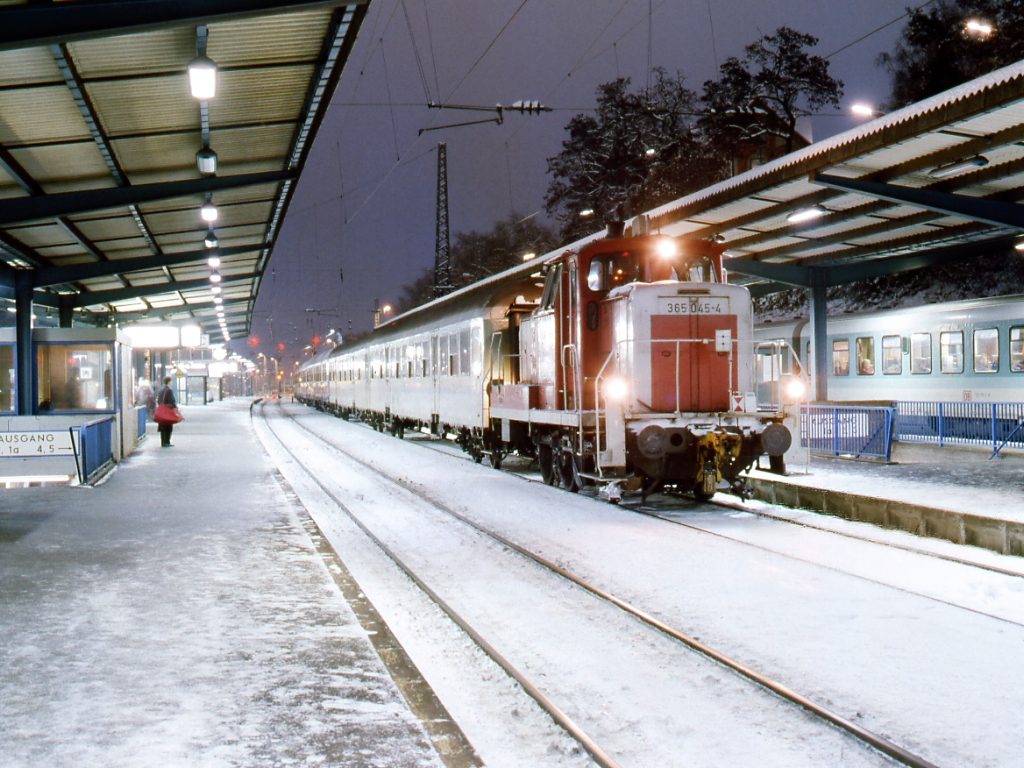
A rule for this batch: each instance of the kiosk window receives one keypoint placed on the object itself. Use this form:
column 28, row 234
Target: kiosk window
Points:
column 921, row 353
column 986, row 350
column 866, row 356
column 8, row 379
column 951, row 351
column 1016, row 350
column 892, row 355
column 75, row 377
column 841, row 357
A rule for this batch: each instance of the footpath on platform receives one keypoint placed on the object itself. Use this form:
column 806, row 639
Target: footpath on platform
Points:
column 182, row 613
column 953, row 494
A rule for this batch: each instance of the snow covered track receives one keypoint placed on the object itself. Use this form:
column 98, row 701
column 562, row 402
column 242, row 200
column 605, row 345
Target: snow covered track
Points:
column 879, row 742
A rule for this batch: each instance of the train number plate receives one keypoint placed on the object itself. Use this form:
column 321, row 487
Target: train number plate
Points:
column 693, row 305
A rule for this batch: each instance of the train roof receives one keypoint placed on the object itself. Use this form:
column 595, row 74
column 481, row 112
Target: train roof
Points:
column 945, row 306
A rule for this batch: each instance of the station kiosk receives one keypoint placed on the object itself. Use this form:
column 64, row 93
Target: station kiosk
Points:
column 83, row 417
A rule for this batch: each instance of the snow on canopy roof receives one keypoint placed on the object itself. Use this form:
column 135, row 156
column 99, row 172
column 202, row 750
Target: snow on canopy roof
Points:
column 985, row 115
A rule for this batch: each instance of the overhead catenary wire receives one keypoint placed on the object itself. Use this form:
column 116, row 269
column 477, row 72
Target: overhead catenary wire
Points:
column 416, row 52
column 879, row 29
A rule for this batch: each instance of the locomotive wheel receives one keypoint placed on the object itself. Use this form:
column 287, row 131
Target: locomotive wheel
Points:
column 546, row 459
column 496, row 459
column 568, row 473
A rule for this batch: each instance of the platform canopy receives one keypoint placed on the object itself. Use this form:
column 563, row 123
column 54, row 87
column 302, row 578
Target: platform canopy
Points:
column 100, row 188
column 937, row 181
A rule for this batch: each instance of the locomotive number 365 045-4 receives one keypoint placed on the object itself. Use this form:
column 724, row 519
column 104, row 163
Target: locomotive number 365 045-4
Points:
column 693, row 306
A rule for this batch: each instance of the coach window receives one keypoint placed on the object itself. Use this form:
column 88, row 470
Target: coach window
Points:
column 951, row 351
column 443, row 354
column 1016, row 349
column 986, row 350
column 453, row 354
column 464, row 368
column 920, row 353
column 892, row 355
column 866, row 355
column 841, row 357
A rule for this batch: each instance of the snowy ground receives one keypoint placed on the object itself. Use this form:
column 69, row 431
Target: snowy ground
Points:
column 178, row 615
column 898, row 642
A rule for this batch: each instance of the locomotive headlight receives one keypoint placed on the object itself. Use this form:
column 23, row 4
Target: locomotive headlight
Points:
column 796, row 389
column 616, row 389
column 667, row 249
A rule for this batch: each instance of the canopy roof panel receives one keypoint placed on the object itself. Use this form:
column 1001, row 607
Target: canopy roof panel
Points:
column 95, row 96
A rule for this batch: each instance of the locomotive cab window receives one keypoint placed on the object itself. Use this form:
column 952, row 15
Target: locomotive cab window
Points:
column 866, row 356
column 610, row 270
column 920, row 353
column 986, row 350
column 841, row 357
column 1017, row 349
column 892, row 355
column 951, row 351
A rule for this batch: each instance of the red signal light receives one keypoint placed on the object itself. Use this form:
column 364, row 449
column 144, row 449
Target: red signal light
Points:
column 253, row 341
column 316, row 339
column 280, row 347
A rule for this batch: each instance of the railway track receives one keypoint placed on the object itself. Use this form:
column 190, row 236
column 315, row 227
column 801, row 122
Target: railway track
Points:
column 737, row 505
column 877, row 742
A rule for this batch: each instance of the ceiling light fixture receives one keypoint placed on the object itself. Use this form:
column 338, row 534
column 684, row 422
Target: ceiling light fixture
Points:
column 208, row 211
column 206, row 159
column 978, row 161
column 211, row 241
column 214, row 278
column 215, row 288
column 202, row 78
column 806, row 214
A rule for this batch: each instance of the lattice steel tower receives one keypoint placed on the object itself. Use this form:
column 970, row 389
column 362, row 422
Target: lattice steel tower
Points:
column 442, row 242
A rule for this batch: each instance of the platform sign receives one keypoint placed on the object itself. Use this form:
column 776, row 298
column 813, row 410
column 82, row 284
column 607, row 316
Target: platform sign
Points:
column 25, row 445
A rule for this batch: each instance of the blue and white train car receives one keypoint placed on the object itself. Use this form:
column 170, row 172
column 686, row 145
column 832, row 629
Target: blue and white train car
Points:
column 956, row 351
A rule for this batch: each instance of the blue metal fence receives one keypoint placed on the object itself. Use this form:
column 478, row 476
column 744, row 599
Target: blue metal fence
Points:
column 847, row 430
column 95, row 446
column 995, row 425
column 140, row 416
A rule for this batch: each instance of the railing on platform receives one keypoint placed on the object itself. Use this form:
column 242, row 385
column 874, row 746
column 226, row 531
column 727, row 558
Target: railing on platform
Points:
column 95, row 446
column 140, row 418
column 847, row 430
column 994, row 425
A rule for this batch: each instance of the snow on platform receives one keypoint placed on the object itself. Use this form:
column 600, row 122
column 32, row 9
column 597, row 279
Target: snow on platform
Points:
column 178, row 614
column 954, row 482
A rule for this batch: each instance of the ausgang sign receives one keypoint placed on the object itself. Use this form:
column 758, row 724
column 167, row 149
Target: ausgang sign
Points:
column 24, row 445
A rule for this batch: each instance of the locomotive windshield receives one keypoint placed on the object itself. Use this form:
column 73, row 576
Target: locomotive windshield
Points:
column 610, row 270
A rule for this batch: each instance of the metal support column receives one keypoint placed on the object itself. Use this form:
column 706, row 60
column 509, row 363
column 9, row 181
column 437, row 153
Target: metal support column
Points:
column 23, row 321
column 819, row 335
column 66, row 309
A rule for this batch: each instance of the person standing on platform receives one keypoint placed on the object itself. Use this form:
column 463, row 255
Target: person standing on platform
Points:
column 166, row 425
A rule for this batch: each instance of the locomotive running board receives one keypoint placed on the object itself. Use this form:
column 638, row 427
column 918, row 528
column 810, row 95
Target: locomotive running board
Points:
column 537, row 416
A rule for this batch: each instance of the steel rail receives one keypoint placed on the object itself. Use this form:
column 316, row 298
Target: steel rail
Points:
column 880, row 743
column 564, row 721
column 738, row 507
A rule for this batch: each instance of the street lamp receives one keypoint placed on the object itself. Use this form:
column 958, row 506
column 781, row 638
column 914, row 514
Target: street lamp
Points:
column 978, row 28
column 860, row 109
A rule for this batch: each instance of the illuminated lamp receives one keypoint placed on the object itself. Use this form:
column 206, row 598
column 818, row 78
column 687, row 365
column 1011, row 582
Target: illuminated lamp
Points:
column 667, row 249
column 215, row 288
column 208, row 212
column 211, row 241
column 191, row 336
column 206, row 159
column 214, row 278
column 202, row 78
column 218, row 300
column 806, row 214
column 615, row 389
column 586, row 212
